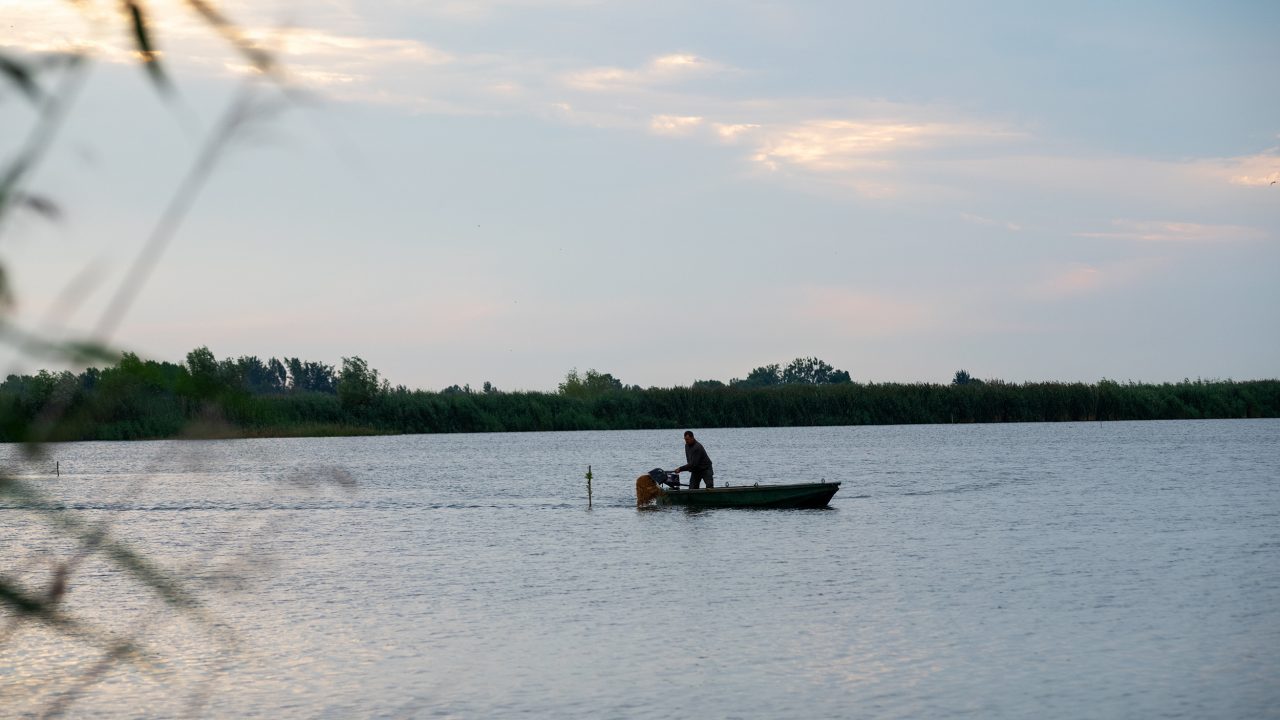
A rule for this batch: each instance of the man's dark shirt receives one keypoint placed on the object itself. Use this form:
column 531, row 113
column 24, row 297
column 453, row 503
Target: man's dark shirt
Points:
column 696, row 458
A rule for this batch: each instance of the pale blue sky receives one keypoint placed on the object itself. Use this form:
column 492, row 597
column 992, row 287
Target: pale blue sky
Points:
column 670, row 191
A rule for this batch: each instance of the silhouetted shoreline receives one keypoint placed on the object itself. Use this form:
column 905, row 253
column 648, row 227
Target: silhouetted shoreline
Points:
column 137, row 400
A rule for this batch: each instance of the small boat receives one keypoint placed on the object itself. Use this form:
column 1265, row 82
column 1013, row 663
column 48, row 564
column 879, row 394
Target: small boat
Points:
column 799, row 495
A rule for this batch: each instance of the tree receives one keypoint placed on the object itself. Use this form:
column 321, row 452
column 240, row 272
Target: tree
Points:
column 764, row 376
column 255, row 376
column 812, row 371
column 588, row 384
column 963, row 378
column 358, row 384
column 205, row 377
column 279, row 375
column 311, row 377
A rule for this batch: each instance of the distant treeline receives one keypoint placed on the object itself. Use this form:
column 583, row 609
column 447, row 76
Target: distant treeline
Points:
column 137, row 399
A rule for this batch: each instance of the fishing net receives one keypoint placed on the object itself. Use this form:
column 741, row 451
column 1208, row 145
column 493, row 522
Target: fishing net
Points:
column 647, row 491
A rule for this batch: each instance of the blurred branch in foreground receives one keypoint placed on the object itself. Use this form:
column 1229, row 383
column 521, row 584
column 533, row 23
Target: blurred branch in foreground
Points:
column 48, row 85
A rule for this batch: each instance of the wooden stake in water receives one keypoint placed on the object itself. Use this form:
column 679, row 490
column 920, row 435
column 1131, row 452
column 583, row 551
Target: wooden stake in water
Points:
column 588, row 486
column 57, row 468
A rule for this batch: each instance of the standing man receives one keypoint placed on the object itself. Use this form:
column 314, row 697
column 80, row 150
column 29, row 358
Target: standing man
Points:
column 697, row 462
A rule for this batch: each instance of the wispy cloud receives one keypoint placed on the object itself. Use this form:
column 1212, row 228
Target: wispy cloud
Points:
column 875, row 148
column 55, row 27
column 1260, row 170
column 843, row 144
column 320, row 46
column 322, row 59
column 730, row 132
column 1075, row 280
column 674, row 124
column 661, row 70
column 868, row 155
column 853, row 313
column 1176, row 232
column 589, row 116
column 859, row 145
column 476, row 11
column 980, row 220
column 313, row 56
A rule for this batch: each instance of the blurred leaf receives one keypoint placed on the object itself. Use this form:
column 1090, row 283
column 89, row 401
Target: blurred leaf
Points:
column 73, row 351
column 142, row 35
column 88, row 351
column 142, row 569
column 24, row 604
column 9, row 181
column 41, row 205
column 20, row 75
column 260, row 58
column 72, row 59
column 6, row 295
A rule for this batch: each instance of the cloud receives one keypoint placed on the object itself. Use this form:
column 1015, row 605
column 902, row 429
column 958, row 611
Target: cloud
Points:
column 674, row 124
column 475, row 11
column 1074, row 280
column 322, row 58
column 874, row 148
column 661, row 70
column 571, row 114
column 853, row 313
column 320, row 46
column 731, row 132
column 1081, row 279
column 1176, row 232
column 980, row 220
column 836, row 145
column 855, row 144
column 872, row 156
column 60, row 27
column 312, row 56
column 1261, row 170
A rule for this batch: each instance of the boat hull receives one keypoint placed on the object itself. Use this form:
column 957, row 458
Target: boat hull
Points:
column 798, row 496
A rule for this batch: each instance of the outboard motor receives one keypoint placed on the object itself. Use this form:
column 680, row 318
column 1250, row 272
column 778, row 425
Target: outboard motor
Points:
column 662, row 477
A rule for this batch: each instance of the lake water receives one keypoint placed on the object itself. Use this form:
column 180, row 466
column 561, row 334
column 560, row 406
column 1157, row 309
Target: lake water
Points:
column 1100, row 570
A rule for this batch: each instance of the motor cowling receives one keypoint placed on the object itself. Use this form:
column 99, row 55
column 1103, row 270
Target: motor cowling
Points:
column 662, row 477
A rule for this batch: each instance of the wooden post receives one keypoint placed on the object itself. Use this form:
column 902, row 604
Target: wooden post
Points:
column 588, row 486
column 57, row 468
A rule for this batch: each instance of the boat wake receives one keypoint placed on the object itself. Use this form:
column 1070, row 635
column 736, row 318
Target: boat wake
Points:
column 967, row 487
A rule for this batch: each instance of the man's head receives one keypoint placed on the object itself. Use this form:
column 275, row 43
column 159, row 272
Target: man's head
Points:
column 688, row 437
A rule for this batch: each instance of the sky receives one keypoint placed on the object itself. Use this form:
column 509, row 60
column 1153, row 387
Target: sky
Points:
column 504, row 190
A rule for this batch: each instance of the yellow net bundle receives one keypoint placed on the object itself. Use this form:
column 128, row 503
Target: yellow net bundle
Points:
column 647, row 491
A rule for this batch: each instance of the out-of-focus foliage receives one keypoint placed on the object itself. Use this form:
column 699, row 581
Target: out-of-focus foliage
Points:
column 129, row 398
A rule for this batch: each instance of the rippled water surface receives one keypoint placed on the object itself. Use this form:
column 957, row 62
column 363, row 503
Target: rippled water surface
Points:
column 988, row 571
